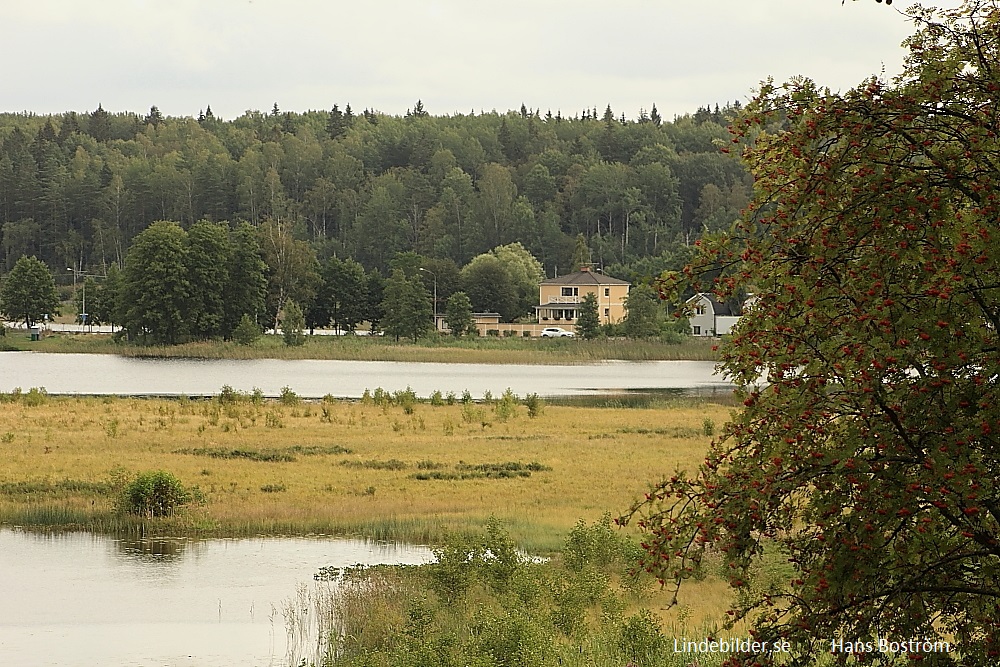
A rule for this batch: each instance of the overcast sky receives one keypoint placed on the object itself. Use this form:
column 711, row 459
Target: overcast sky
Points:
column 454, row 55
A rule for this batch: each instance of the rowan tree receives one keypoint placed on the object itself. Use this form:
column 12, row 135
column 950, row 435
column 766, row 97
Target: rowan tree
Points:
column 867, row 455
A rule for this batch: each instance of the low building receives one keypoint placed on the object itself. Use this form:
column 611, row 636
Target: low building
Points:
column 711, row 317
column 559, row 298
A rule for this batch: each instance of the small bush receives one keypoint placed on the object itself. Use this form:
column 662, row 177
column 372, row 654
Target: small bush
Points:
column 506, row 407
column 246, row 332
column 708, row 427
column 509, row 333
column 154, row 494
column 288, row 397
column 273, row 488
column 493, row 332
column 534, row 404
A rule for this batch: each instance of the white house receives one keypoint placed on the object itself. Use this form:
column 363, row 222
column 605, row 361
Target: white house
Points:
column 711, row 317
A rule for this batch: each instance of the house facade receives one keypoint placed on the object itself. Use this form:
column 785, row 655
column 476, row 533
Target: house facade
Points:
column 559, row 298
column 711, row 317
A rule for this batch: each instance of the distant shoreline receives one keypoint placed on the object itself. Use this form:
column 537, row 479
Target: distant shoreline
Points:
column 488, row 350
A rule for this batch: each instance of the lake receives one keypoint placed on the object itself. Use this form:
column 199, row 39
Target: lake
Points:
column 109, row 374
column 82, row 599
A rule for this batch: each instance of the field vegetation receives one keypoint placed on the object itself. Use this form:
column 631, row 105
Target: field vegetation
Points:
column 386, row 467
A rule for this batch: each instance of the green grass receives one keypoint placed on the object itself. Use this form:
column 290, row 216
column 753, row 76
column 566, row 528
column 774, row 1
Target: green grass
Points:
column 441, row 349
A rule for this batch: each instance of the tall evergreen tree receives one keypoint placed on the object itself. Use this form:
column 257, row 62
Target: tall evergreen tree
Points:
column 99, row 125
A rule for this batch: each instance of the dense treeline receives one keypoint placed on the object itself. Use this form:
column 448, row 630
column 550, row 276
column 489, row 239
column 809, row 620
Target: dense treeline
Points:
column 77, row 189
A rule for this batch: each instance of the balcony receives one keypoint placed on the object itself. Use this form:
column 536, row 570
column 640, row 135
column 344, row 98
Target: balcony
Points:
column 564, row 299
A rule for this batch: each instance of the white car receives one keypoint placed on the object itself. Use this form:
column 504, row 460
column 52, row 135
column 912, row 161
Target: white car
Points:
column 556, row 332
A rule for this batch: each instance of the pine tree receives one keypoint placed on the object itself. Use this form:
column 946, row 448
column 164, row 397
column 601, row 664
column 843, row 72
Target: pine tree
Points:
column 154, row 117
column 99, row 126
column 581, row 254
column 336, row 124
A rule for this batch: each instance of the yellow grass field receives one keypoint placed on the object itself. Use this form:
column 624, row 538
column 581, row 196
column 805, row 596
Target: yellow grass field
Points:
column 600, row 459
column 57, row 459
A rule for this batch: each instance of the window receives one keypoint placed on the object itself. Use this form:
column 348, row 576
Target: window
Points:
column 699, row 309
column 607, row 291
column 570, row 291
column 607, row 312
column 697, row 331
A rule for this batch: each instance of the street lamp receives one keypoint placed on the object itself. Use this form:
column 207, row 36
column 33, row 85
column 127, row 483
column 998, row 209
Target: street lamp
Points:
column 83, row 308
column 433, row 275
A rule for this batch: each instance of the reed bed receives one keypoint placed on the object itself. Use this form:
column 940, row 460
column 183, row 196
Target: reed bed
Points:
column 440, row 349
column 410, row 471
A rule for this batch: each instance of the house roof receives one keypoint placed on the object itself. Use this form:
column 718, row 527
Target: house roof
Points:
column 718, row 307
column 584, row 278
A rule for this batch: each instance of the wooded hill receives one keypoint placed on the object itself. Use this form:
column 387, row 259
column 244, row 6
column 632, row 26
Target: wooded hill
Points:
column 76, row 188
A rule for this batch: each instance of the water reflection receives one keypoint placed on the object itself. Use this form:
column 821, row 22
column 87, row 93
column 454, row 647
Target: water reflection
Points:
column 83, row 599
column 151, row 549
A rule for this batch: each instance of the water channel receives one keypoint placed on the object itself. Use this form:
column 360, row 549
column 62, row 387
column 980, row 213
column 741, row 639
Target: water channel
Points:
column 77, row 599
column 109, row 374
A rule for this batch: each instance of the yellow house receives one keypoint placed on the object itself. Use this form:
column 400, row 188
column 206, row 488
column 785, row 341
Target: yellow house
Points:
column 559, row 298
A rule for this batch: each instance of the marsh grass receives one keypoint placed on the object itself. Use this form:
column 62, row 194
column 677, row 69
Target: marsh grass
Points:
column 443, row 349
column 286, row 455
column 483, row 602
column 589, row 461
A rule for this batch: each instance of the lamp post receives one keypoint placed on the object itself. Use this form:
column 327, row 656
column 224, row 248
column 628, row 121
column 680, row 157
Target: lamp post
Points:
column 433, row 275
column 83, row 308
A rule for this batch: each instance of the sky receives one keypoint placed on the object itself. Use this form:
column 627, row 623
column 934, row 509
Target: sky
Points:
column 456, row 56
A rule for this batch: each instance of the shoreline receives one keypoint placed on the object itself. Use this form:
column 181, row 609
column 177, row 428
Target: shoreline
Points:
column 488, row 350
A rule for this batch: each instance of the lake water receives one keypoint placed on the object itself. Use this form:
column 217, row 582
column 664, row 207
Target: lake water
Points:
column 78, row 599
column 108, row 374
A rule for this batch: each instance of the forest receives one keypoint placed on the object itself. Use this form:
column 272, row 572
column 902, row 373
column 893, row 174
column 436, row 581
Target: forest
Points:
column 77, row 188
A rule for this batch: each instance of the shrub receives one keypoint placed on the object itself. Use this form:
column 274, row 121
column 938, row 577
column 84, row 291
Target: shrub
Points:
column 246, row 332
column 534, row 404
column 288, row 397
column 154, row 494
column 506, row 407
